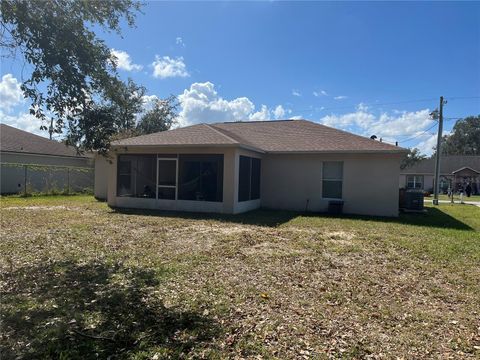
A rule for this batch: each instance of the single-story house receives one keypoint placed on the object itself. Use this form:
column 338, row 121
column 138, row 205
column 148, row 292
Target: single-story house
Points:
column 235, row 167
column 40, row 164
column 455, row 172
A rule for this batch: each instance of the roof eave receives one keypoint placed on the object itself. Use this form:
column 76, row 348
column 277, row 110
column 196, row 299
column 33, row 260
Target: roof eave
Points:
column 399, row 151
column 145, row 146
column 45, row 154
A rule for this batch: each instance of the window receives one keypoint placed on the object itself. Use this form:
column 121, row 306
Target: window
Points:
column 167, row 178
column 136, row 176
column 249, row 178
column 414, row 182
column 332, row 179
column 200, row 177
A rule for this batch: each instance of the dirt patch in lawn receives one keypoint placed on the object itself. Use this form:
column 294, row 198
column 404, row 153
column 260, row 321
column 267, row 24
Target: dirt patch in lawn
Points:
column 39, row 208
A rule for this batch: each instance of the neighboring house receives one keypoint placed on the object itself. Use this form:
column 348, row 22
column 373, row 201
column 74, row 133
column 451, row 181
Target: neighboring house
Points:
column 235, row 167
column 47, row 164
column 455, row 171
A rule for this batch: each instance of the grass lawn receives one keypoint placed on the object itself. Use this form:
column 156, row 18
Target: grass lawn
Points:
column 82, row 281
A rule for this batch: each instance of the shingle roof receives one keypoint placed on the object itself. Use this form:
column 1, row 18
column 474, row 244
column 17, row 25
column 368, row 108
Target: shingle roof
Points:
column 200, row 134
column 279, row 136
column 448, row 164
column 16, row 140
column 465, row 168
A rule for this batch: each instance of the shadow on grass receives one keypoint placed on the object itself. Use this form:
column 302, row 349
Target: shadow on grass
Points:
column 434, row 217
column 261, row 217
column 66, row 310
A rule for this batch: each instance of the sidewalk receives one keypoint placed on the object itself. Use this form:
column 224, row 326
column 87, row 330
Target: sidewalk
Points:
column 476, row 203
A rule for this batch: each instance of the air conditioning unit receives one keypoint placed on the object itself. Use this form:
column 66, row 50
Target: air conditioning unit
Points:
column 414, row 200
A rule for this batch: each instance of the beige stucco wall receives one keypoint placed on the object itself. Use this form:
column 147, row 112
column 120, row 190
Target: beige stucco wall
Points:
column 102, row 165
column 370, row 184
column 294, row 182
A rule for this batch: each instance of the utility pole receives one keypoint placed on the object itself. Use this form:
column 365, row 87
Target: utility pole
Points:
column 439, row 151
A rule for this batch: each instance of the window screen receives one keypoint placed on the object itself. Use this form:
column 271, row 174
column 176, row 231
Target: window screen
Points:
column 249, row 178
column 136, row 176
column 167, row 172
column 414, row 182
column 255, row 192
column 244, row 179
column 201, row 177
column 332, row 179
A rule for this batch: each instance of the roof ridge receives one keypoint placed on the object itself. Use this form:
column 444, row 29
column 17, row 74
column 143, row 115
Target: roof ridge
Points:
column 220, row 132
column 246, row 121
column 156, row 133
column 350, row 133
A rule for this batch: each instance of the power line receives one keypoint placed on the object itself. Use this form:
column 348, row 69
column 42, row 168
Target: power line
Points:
column 407, row 136
column 374, row 105
column 463, row 97
column 368, row 105
column 418, row 135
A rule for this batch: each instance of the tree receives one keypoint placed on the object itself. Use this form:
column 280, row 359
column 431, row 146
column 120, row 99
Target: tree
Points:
column 99, row 123
column 465, row 138
column 411, row 158
column 94, row 129
column 161, row 117
column 70, row 64
column 128, row 101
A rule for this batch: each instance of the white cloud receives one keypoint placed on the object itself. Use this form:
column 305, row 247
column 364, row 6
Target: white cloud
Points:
column 179, row 41
column 295, row 92
column 296, row 117
column 10, row 92
column 427, row 143
column 23, row 121
column 341, row 97
column 400, row 126
column 279, row 112
column 262, row 114
column 149, row 101
column 320, row 93
column 201, row 103
column 360, row 119
column 165, row 67
column 124, row 62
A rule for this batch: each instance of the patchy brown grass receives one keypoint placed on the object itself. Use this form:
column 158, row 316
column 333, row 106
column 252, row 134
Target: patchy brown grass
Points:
column 80, row 280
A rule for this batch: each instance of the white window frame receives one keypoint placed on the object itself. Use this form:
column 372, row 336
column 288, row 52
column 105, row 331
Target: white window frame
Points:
column 323, row 179
column 168, row 186
column 415, row 182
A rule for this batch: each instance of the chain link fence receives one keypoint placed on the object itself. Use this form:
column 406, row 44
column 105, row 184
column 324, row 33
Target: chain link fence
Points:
column 30, row 179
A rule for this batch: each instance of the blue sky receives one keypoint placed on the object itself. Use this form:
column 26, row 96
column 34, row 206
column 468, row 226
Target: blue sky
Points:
column 369, row 68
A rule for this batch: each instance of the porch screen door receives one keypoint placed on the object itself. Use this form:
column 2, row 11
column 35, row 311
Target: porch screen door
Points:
column 167, row 178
